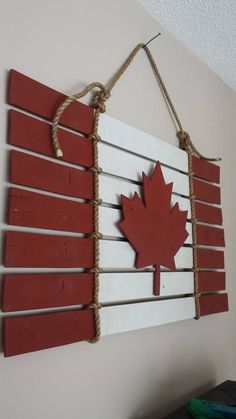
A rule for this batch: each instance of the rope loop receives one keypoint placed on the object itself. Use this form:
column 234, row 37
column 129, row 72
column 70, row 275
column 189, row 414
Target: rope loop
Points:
column 66, row 103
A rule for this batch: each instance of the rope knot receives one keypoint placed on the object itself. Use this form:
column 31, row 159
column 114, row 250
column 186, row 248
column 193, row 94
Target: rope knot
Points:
column 97, row 235
column 184, row 140
column 95, row 137
column 95, row 270
column 95, row 306
column 100, row 99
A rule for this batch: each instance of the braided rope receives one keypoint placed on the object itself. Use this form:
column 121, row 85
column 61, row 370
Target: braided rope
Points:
column 197, row 295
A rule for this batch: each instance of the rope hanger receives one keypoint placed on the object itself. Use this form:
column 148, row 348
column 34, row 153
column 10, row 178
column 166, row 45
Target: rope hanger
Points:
column 101, row 95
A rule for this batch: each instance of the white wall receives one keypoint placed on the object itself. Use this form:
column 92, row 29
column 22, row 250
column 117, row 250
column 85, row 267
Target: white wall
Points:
column 66, row 44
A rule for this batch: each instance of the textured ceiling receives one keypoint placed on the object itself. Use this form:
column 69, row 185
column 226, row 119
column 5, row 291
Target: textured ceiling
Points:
column 206, row 27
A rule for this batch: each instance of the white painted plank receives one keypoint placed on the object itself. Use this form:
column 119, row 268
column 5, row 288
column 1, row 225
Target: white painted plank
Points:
column 139, row 285
column 120, row 254
column 117, row 319
column 109, row 218
column 129, row 138
column 121, row 163
column 111, row 189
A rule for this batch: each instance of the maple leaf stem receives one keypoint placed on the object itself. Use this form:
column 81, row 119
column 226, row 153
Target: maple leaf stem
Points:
column 157, row 280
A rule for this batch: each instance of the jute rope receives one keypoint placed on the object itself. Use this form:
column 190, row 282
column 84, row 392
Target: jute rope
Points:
column 185, row 143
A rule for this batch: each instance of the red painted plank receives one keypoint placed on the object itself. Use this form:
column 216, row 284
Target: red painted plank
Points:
column 42, row 174
column 208, row 213
column 32, row 96
column 210, row 259
column 215, row 303
column 35, row 135
column 31, row 209
column 206, row 192
column 206, row 170
column 39, row 250
column 211, row 281
column 210, row 236
column 33, row 333
column 37, row 291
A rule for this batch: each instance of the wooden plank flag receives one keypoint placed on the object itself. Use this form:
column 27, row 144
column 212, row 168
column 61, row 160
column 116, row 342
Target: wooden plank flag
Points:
column 49, row 251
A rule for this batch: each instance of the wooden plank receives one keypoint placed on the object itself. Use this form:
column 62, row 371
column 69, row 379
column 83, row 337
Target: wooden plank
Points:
column 128, row 286
column 211, row 281
column 133, row 166
column 38, row 173
column 117, row 319
column 33, row 333
column 37, row 291
column 112, row 188
column 210, row 259
column 215, row 303
column 208, row 213
column 206, row 170
column 210, row 236
column 206, row 191
column 39, row 250
column 32, row 96
column 119, row 254
column 32, row 134
column 129, row 138
column 31, row 209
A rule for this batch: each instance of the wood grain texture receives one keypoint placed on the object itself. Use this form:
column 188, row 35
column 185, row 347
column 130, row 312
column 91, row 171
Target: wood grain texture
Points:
column 32, row 96
column 210, row 236
column 33, row 333
column 40, row 250
column 37, row 291
column 211, row 281
column 34, row 135
column 38, row 173
column 30, row 209
column 206, row 170
column 215, row 303
column 208, row 213
column 212, row 259
column 206, row 192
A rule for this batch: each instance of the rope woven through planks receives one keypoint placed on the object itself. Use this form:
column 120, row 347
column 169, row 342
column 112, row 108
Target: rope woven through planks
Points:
column 185, row 143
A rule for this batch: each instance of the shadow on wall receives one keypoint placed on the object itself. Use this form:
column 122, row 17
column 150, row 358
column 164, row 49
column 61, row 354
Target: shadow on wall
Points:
column 175, row 391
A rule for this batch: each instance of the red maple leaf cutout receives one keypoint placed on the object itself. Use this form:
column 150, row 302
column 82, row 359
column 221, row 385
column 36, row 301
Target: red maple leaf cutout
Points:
column 155, row 230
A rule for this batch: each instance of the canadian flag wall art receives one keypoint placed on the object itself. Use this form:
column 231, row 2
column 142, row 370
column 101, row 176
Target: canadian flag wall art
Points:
column 146, row 275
